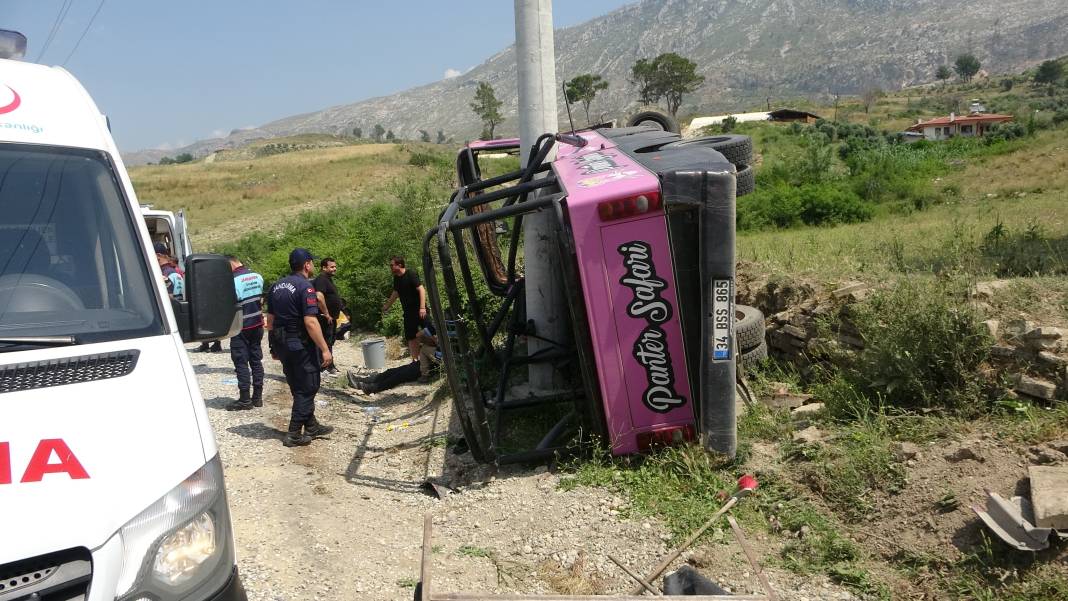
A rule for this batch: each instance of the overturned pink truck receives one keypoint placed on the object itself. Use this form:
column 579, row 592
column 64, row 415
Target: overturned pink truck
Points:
column 644, row 224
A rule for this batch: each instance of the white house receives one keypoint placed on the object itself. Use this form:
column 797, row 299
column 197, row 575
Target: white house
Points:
column 943, row 128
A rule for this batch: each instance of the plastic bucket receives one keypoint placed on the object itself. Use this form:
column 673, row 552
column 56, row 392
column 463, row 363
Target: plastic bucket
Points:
column 374, row 353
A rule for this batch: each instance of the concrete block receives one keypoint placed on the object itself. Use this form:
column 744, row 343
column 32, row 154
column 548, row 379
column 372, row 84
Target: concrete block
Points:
column 806, row 410
column 903, row 451
column 987, row 289
column 1049, row 496
column 1036, row 387
column 1052, row 359
column 1002, row 352
column 1018, row 327
column 795, row 331
column 809, row 435
column 991, row 326
column 780, row 400
column 851, row 341
column 846, row 289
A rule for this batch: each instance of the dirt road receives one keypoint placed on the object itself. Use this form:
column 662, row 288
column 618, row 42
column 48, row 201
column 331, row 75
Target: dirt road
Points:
column 342, row 518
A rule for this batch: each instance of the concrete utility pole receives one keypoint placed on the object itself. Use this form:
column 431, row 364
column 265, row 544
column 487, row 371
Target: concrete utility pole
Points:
column 536, row 70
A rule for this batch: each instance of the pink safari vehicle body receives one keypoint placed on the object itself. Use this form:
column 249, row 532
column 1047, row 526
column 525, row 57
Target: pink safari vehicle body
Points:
column 645, row 226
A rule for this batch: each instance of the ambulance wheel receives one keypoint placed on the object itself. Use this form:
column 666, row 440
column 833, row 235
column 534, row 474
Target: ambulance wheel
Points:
column 745, row 180
column 748, row 328
column 655, row 118
column 738, row 150
column 749, row 360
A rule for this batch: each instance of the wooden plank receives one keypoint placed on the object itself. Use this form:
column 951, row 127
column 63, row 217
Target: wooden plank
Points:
column 513, row 597
column 753, row 563
column 424, row 568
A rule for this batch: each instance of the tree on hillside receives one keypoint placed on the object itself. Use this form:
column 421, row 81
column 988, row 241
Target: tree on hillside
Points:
column 356, row 131
column 966, row 66
column 869, row 97
column 389, row 136
column 584, row 88
column 643, row 75
column 678, row 76
column 667, row 76
column 377, row 132
column 487, row 107
column 441, row 136
column 1049, row 72
column 424, row 135
column 943, row 73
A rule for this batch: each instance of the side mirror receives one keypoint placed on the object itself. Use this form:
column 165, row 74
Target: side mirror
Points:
column 210, row 311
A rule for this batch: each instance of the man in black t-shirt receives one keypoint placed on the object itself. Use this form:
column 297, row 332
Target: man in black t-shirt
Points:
column 324, row 283
column 412, row 295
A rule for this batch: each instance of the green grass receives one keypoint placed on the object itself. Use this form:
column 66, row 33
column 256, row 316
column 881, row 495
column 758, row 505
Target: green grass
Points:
column 682, row 486
column 474, row 551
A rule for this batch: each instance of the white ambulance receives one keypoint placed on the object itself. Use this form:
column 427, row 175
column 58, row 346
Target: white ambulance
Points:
column 110, row 481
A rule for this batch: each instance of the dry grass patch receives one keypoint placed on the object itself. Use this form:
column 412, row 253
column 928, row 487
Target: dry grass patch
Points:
column 574, row 580
column 226, row 199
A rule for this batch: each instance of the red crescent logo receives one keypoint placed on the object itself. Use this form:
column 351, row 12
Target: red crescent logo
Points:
column 14, row 104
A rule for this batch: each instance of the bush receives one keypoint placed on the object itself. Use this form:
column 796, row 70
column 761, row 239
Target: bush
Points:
column 784, row 206
column 924, row 346
column 362, row 239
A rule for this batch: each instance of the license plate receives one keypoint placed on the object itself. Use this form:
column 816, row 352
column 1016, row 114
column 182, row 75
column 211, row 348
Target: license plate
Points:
column 722, row 319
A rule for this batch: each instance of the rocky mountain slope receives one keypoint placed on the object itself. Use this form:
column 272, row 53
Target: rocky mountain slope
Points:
column 747, row 50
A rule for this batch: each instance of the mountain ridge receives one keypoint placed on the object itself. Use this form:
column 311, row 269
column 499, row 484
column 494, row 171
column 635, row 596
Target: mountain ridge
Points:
column 747, row 50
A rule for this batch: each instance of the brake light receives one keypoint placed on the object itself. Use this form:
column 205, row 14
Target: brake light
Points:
column 628, row 207
column 668, row 436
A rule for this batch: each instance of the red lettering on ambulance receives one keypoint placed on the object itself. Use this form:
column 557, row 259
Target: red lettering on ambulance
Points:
column 5, row 463
column 39, row 464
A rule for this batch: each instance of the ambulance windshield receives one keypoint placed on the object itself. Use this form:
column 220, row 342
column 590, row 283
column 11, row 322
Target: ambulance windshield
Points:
column 70, row 264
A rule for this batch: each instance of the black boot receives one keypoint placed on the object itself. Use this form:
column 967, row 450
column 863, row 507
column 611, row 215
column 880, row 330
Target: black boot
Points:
column 316, row 430
column 242, row 403
column 203, row 348
column 257, row 396
column 216, row 347
column 294, row 438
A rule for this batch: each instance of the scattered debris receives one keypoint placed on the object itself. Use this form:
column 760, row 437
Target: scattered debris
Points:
column 746, row 485
column 1013, row 522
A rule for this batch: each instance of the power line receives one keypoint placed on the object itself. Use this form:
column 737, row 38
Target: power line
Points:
column 60, row 17
column 87, row 27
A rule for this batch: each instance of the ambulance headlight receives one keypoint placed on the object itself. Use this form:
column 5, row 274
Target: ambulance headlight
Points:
column 182, row 544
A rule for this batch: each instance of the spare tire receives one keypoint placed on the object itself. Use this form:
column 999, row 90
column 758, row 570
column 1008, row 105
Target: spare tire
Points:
column 656, row 118
column 748, row 327
column 745, row 180
column 738, row 150
column 749, row 360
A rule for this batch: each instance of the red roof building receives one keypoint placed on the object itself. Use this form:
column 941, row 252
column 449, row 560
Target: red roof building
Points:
column 943, row 128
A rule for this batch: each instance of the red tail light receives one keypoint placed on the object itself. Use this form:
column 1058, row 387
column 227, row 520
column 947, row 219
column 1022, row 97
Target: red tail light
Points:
column 674, row 435
column 628, row 207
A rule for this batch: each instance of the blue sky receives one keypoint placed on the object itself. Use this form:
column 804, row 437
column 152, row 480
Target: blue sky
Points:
column 170, row 73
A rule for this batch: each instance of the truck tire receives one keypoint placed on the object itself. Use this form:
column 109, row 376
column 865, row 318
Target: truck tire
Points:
column 745, row 180
column 748, row 328
column 738, row 150
column 748, row 361
column 656, row 118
